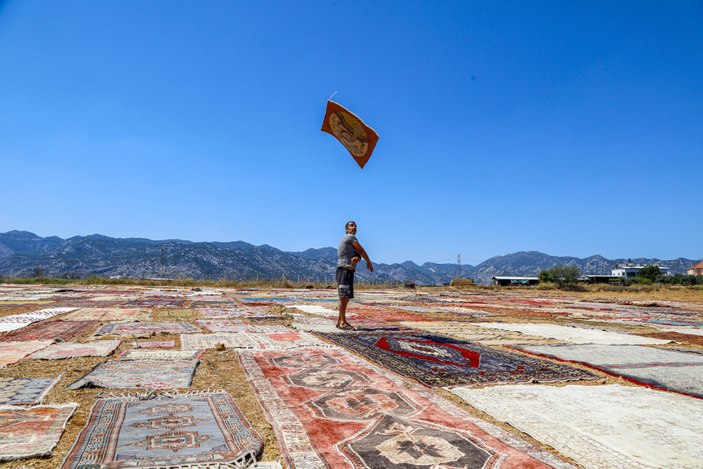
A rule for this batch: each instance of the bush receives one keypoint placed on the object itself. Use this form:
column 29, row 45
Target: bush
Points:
column 462, row 283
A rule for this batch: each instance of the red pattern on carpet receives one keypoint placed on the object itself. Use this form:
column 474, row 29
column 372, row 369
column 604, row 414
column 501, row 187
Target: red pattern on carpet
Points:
column 330, row 408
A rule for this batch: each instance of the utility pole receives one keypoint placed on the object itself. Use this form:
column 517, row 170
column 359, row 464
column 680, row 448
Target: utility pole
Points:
column 457, row 274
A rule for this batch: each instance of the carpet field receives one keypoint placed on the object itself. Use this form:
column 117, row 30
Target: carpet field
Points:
column 182, row 377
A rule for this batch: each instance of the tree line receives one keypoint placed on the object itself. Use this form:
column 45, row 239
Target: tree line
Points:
column 569, row 275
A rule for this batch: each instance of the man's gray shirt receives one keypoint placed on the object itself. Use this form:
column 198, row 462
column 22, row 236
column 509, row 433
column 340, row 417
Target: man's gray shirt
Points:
column 346, row 251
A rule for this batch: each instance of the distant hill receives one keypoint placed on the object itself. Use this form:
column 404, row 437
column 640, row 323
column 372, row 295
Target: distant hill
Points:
column 23, row 254
column 531, row 263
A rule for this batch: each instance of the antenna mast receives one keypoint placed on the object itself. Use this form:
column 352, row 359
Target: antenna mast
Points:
column 161, row 260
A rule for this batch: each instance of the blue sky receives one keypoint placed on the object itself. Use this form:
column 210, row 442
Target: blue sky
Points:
column 571, row 128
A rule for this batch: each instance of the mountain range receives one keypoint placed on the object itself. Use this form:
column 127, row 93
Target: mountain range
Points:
column 24, row 254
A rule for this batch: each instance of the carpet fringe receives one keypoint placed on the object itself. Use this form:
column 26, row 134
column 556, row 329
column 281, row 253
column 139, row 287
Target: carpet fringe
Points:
column 155, row 395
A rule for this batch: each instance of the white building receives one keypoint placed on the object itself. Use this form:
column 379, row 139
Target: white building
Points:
column 628, row 270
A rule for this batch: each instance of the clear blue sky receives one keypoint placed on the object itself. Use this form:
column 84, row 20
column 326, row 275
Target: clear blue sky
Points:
column 572, row 128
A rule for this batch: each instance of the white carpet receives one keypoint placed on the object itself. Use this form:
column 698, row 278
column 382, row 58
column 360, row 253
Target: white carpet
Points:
column 317, row 310
column 609, row 426
column 576, row 335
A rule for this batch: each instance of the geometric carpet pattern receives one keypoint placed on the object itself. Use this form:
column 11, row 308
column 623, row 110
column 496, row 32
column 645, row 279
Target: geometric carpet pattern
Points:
column 190, row 430
column 610, row 426
column 331, row 409
column 439, row 361
column 24, row 391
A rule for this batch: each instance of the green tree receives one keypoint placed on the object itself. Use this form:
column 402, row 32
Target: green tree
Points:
column 651, row 272
column 545, row 276
column 561, row 274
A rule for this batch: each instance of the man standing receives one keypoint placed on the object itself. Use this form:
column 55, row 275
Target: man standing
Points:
column 347, row 257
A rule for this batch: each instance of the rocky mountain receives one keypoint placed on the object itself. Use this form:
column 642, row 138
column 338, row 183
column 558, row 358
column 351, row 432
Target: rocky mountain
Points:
column 24, row 254
column 531, row 263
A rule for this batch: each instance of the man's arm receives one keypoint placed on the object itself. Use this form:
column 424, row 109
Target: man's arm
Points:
column 363, row 254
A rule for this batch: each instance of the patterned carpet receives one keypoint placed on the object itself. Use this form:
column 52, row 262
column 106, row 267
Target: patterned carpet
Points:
column 110, row 314
column 232, row 313
column 99, row 348
column 660, row 368
column 323, row 324
column 145, row 374
column 473, row 333
column 236, row 325
column 609, row 426
column 331, row 409
column 18, row 321
column 287, row 340
column 34, row 431
column 313, row 323
column 193, row 430
column 155, row 344
column 169, row 355
column 206, row 341
column 24, row 391
column 441, row 361
column 12, row 352
column 146, row 329
column 49, row 330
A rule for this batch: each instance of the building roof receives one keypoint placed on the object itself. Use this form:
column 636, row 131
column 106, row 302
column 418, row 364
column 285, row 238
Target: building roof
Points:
column 697, row 266
column 508, row 277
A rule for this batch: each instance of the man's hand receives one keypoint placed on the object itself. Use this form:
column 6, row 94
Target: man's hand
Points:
column 369, row 265
column 355, row 260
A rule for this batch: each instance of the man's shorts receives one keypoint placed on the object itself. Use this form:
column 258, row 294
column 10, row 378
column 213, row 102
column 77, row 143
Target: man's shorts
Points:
column 345, row 282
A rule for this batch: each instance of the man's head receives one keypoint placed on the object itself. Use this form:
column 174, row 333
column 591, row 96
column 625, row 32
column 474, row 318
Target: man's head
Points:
column 350, row 227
